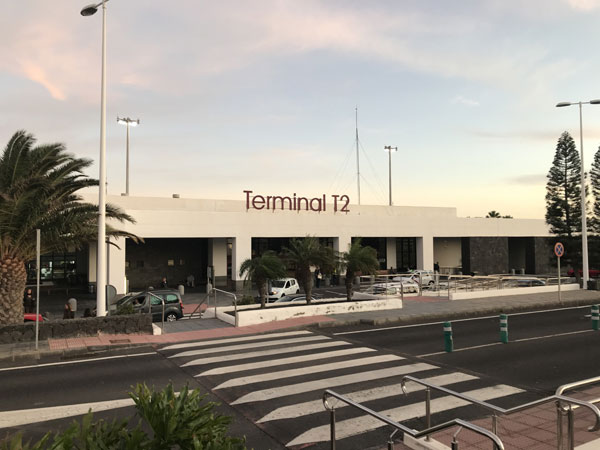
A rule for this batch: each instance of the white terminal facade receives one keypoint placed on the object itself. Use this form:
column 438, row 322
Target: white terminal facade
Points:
column 210, row 239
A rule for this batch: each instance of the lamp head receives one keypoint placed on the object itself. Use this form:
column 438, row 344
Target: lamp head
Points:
column 561, row 104
column 594, row 102
column 89, row 10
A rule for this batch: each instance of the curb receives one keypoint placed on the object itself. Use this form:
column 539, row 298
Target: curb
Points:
column 34, row 356
column 452, row 315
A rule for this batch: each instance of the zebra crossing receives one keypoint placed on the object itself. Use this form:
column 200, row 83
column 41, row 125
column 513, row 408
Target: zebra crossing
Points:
column 277, row 380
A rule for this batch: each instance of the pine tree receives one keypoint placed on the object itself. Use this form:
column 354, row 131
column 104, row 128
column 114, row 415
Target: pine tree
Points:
column 595, row 188
column 563, row 191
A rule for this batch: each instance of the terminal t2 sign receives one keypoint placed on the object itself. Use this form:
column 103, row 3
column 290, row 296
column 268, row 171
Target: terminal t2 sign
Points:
column 338, row 203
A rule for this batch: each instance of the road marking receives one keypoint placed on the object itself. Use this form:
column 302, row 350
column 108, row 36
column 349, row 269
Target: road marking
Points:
column 362, row 424
column 283, row 361
column 536, row 338
column 230, row 348
column 307, row 370
column 273, row 351
column 26, row 416
column 329, row 383
column 62, row 363
column 316, row 406
column 453, row 320
column 236, row 339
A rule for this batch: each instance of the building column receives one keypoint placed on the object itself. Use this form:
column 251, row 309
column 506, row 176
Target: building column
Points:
column 241, row 250
column 217, row 258
column 116, row 265
column 425, row 253
column 390, row 253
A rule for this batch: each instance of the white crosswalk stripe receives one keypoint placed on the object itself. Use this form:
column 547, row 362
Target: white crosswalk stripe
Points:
column 281, row 361
column 260, row 353
column 304, row 364
column 310, row 369
column 230, row 348
column 236, row 339
column 329, row 383
column 316, row 406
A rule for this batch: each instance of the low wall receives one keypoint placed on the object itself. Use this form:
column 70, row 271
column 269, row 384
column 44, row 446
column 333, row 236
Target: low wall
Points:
column 90, row 326
column 512, row 291
column 272, row 314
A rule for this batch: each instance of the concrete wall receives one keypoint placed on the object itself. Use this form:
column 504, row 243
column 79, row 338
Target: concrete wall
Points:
column 447, row 252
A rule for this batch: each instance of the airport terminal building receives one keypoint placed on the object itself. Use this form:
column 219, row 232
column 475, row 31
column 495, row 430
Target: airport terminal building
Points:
column 209, row 239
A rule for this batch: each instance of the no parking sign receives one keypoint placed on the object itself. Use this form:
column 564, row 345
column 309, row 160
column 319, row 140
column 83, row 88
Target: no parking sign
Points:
column 559, row 249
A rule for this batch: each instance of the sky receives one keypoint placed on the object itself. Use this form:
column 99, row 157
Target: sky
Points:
column 262, row 95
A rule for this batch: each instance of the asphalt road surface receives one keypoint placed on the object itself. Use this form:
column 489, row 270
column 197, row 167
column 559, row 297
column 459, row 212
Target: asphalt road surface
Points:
column 273, row 383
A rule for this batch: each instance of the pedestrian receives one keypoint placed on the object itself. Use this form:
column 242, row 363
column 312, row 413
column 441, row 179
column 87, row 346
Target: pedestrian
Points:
column 28, row 301
column 67, row 313
column 163, row 283
column 436, row 267
column 319, row 277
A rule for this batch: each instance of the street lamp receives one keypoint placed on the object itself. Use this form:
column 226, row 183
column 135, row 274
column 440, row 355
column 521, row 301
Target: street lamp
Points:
column 134, row 123
column 584, row 244
column 100, row 248
column 390, row 149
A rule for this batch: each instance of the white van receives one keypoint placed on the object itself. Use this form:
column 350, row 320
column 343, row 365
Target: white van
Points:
column 283, row 286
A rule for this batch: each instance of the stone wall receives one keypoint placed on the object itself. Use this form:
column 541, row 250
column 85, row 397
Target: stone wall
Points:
column 484, row 255
column 545, row 261
column 90, row 326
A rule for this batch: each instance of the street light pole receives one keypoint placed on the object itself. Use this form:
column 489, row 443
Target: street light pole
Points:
column 100, row 248
column 127, row 121
column 390, row 149
column 584, row 242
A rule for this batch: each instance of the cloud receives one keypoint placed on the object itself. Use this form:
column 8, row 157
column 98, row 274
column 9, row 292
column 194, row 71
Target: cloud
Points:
column 529, row 180
column 465, row 101
column 37, row 74
column 584, row 5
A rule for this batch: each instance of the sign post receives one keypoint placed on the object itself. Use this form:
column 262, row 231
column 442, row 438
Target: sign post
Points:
column 559, row 250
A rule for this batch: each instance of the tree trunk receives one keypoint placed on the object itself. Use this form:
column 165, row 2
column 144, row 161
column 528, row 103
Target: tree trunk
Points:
column 262, row 292
column 349, row 289
column 13, row 278
column 307, row 286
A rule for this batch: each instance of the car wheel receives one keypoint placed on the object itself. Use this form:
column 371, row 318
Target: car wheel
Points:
column 431, row 283
column 171, row 317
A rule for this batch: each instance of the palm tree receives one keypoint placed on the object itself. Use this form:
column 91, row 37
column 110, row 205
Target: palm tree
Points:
column 358, row 259
column 306, row 253
column 259, row 269
column 38, row 189
column 493, row 215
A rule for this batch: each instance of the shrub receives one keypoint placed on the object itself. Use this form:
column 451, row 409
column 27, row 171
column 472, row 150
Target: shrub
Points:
column 177, row 421
column 246, row 300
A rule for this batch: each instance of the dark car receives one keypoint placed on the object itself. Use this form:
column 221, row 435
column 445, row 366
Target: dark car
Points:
column 594, row 273
column 150, row 301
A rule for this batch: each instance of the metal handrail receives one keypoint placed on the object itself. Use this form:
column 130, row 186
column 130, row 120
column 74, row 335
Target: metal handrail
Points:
column 505, row 412
column 234, row 303
column 398, row 426
column 206, row 297
column 162, row 300
column 576, row 384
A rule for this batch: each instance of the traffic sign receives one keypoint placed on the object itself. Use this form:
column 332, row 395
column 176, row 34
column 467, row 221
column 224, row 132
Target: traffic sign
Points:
column 559, row 249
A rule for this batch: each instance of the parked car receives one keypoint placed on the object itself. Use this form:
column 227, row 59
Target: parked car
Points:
column 594, row 273
column 283, row 286
column 426, row 277
column 150, row 301
column 524, row 282
column 31, row 317
column 293, row 299
column 404, row 284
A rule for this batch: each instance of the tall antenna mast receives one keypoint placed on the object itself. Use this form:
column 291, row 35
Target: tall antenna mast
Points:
column 357, row 158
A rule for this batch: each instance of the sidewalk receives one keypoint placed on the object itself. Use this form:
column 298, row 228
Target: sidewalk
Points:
column 415, row 310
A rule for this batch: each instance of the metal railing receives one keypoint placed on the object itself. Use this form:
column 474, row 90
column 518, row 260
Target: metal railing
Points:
column 162, row 300
column 399, row 427
column 569, row 412
column 215, row 290
column 197, row 308
column 564, row 406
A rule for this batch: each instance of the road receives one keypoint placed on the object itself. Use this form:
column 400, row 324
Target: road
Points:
column 273, row 383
